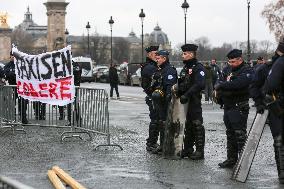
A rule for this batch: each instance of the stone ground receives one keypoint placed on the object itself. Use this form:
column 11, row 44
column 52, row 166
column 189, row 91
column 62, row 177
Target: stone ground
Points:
column 27, row 157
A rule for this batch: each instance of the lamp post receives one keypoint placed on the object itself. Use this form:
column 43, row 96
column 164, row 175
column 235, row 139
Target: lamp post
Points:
column 185, row 6
column 142, row 16
column 111, row 23
column 66, row 34
column 88, row 28
column 248, row 53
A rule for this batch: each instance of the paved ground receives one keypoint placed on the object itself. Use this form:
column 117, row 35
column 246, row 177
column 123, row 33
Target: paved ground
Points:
column 27, row 157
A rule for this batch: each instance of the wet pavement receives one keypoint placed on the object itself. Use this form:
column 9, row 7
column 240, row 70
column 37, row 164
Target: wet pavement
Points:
column 27, row 157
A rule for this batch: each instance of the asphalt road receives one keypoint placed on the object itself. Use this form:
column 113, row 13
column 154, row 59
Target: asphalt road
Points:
column 27, row 157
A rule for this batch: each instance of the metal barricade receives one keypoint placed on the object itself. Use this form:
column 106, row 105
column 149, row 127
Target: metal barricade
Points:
column 87, row 115
column 8, row 183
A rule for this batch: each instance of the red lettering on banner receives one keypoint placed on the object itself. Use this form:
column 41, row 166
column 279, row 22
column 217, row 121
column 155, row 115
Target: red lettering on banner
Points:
column 18, row 88
column 64, row 86
column 60, row 89
column 33, row 92
column 26, row 89
column 52, row 90
column 43, row 87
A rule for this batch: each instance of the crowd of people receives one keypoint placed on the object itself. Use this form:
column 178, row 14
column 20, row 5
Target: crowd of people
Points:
column 231, row 88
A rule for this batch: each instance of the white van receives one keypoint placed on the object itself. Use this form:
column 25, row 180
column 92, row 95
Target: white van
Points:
column 87, row 68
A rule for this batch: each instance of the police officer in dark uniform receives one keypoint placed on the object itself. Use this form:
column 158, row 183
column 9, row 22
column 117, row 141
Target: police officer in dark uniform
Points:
column 77, row 72
column 163, row 80
column 10, row 76
column 147, row 70
column 275, row 100
column 190, row 85
column 234, row 93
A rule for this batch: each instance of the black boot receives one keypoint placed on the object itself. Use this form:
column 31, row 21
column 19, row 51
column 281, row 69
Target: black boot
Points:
column 279, row 157
column 199, row 141
column 153, row 136
column 232, row 151
column 241, row 137
column 188, row 140
column 159, row 149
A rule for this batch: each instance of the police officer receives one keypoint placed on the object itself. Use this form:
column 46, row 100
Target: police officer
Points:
column 163, row 80
column 234, row 92
column 77, row 72
column 190, row 85
column 147, row 70
column 274, row 97
column 10, row 76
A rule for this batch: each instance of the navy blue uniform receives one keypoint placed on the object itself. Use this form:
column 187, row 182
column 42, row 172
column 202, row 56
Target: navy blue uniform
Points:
column 190, row 85
column 257, row 91
column 163, row 80
column 147, row 71
column 275, row 86
column 234, row 92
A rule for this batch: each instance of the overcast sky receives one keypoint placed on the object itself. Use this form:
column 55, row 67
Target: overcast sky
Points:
column 219, row 20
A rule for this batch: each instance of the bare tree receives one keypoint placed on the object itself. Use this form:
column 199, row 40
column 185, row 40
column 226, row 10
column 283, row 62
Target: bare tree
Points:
column 274, row 13
column 23, row 40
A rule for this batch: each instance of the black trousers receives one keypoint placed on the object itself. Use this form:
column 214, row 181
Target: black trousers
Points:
column 114, row 86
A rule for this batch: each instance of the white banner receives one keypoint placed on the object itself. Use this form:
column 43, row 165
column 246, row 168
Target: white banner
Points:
column 46, row 77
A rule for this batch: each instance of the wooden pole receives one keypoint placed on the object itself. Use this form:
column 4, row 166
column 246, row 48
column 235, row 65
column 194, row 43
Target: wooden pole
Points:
column 67, row 178
column 55, row 180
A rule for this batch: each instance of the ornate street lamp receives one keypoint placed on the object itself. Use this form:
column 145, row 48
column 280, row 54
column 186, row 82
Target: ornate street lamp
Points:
column 88, row 26
column 111, row 23
column 185, row 6
column 249, row 52
column 142, row 16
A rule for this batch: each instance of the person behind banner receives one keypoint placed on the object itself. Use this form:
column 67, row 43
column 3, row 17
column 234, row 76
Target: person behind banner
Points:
column 77, row 72
column 59, row 44
column 10, row 76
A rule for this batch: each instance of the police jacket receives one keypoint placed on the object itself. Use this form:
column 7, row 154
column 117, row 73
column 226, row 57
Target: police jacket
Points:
column 9, row 72
column 164, row 78
column 234, row 87
column 257, row 86
column 77, row 72
column 113, row 76
column 147, row 71
column 275, row 79
column 192, row 78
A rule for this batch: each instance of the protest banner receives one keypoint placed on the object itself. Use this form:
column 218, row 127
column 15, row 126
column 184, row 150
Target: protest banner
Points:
column 46, row 77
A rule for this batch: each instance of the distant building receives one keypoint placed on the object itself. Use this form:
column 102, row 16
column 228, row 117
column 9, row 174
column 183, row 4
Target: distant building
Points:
column 37, row 32
column 79, row 43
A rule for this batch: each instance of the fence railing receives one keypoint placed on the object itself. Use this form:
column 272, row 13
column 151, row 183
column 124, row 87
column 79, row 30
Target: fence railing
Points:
column 87, row 115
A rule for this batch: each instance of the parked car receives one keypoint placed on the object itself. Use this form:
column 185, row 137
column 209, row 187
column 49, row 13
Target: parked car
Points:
column 104, row 78
column 135, row 78
column 87, row 68
column 98, row 72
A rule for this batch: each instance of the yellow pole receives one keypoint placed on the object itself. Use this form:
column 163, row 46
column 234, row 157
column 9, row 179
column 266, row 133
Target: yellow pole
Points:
column 55, row 180
column 67, row 178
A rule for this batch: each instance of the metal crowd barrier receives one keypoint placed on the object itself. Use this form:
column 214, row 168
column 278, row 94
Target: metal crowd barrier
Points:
column 87, row 115
column 7, row 183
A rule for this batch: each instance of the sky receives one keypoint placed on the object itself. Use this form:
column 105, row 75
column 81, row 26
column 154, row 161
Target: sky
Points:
column 219, row 20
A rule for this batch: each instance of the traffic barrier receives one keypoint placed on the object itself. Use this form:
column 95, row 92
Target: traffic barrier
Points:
column 8, row 183
column 87, row 115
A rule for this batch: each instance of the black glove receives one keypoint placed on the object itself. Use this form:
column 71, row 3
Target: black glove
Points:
column 217, row 86
column 168, row 98
column 260, row 108
column 157, row 76
column 183, row 99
